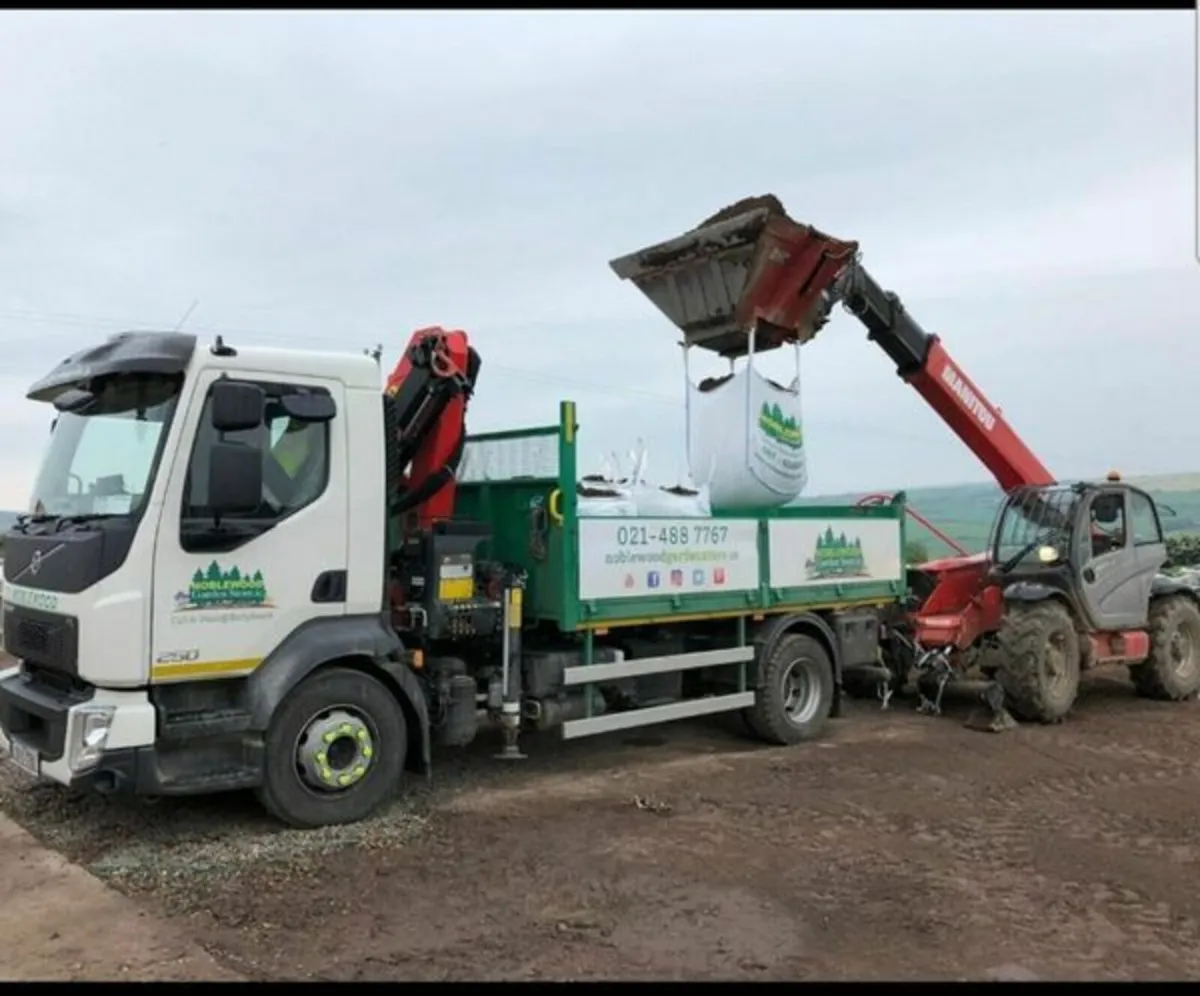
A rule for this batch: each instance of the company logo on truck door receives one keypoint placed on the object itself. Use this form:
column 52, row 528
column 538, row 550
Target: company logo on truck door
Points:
column 217, row 588
column 970, row 400
column 780, row 428
column 836, row 556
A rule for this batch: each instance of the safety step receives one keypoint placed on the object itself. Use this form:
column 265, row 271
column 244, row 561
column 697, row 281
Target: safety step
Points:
column 207, row 723
column 228, row 779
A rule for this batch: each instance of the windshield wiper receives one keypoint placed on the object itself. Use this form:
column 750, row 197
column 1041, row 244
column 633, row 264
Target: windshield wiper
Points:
column 75, row 520
column 24, row 521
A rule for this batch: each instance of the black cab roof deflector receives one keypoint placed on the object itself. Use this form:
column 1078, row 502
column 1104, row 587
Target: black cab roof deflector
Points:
column 164, row 353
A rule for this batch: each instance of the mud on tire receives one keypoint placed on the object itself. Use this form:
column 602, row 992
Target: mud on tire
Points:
column 323, row 707
column 1172, row 672
column 1038, row 661
column 793, row 692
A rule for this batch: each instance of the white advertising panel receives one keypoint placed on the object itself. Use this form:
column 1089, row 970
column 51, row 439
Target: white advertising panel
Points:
column 832, row 551
column 634, row 557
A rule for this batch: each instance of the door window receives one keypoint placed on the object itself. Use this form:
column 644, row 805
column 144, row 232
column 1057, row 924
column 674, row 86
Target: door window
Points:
column 1144, row 518
column 1107, row 526
column 295, row 469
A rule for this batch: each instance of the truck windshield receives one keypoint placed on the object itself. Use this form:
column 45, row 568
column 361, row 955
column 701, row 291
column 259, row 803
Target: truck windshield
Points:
column 1032, row 518
column 101, row 458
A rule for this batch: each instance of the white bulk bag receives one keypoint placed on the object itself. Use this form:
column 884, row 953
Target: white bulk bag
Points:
column 671, row 503
column 651, row 500
column 599, row 494
column 745, row 439
column 607, row 494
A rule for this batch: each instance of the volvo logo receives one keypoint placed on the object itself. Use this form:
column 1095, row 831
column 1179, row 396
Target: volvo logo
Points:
column 35, row 563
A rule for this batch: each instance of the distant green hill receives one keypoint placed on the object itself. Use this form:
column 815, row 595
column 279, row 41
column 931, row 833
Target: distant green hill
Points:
column 967, row 511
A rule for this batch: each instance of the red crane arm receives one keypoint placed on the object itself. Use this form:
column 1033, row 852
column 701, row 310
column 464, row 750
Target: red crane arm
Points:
column 962, row 406
column 425, row 404
column 922, row 361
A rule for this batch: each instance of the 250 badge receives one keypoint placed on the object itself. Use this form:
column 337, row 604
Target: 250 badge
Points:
column 178, row 656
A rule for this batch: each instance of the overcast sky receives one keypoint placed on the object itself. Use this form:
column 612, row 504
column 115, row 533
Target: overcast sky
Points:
column 1025, row 182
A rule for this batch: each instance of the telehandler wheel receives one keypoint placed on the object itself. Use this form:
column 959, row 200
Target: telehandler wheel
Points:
column 793, row 693
column 1172, row 672
column 334, row 750
column 1038, row 658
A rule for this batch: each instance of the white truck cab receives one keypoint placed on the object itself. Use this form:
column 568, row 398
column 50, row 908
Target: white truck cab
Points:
column 193, row 549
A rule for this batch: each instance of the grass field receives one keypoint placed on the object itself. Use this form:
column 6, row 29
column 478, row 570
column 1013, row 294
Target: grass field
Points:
column 966, row 511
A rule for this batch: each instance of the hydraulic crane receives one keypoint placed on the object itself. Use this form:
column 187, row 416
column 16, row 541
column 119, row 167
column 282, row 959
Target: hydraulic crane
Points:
column 426, row 407
column 751, row 278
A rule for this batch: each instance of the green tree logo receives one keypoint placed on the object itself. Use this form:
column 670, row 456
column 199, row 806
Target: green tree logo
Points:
column 233, row 588
column 836, row 556
column 779, row 427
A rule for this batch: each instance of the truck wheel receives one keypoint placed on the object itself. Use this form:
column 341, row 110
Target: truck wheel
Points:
column 1172, row 672
column 794, row 692
column 1039, row 661
column 334, row 750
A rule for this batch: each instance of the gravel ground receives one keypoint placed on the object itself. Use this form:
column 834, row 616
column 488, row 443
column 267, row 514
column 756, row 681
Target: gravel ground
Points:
column 178, row 851
column 900, row 847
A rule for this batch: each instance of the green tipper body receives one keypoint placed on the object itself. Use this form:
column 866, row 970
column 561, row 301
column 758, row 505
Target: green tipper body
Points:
column 604, row 572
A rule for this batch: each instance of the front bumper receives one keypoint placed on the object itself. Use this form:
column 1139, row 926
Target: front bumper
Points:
column 52, row 724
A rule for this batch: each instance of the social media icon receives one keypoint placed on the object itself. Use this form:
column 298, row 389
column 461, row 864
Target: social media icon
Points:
column 698, row 577
column 653, row 579
column 629, row 581
column 718, row 575
column 677, row 579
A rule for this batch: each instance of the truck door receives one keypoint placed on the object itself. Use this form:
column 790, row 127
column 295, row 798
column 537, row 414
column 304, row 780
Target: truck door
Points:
column 1116, row 573
column 225, row 595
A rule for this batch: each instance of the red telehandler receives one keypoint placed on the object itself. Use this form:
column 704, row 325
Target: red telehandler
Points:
column 1071, row 577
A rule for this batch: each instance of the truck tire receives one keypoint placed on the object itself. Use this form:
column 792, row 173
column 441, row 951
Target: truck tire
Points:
column 1038, row 661
column 335, row 750
column 1172, row 672
column 793, row 693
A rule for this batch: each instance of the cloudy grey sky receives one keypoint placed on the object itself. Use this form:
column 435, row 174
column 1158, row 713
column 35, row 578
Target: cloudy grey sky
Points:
column 1025, row 182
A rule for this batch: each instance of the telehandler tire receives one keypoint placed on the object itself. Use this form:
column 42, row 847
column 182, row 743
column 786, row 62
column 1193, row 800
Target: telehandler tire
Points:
column 793, row 692
column 1038, row 661
column 1172, row 672
column 335, row 750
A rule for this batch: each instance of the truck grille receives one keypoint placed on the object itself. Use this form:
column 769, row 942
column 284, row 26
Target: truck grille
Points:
column 42, row 638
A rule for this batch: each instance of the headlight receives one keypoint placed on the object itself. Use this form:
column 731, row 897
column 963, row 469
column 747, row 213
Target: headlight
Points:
column 90, row 737
column 1048, row 554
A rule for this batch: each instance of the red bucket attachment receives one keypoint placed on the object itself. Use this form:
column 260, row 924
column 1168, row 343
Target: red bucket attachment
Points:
column 747, row 267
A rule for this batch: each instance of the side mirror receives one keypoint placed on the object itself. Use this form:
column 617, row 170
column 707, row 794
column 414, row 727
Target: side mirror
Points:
column 235, row 478
column 308, row 408
column 235, row 407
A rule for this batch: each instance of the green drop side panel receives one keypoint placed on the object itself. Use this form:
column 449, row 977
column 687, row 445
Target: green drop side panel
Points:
column 598, row 572
column 521, row 501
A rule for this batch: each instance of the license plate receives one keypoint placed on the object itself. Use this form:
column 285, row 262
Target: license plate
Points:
column 25, row 758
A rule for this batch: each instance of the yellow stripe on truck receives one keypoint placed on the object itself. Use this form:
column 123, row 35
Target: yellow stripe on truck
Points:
column 203, row 669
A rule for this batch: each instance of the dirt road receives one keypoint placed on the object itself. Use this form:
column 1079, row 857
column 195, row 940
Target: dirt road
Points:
column 105, row 936
column 902, row 847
